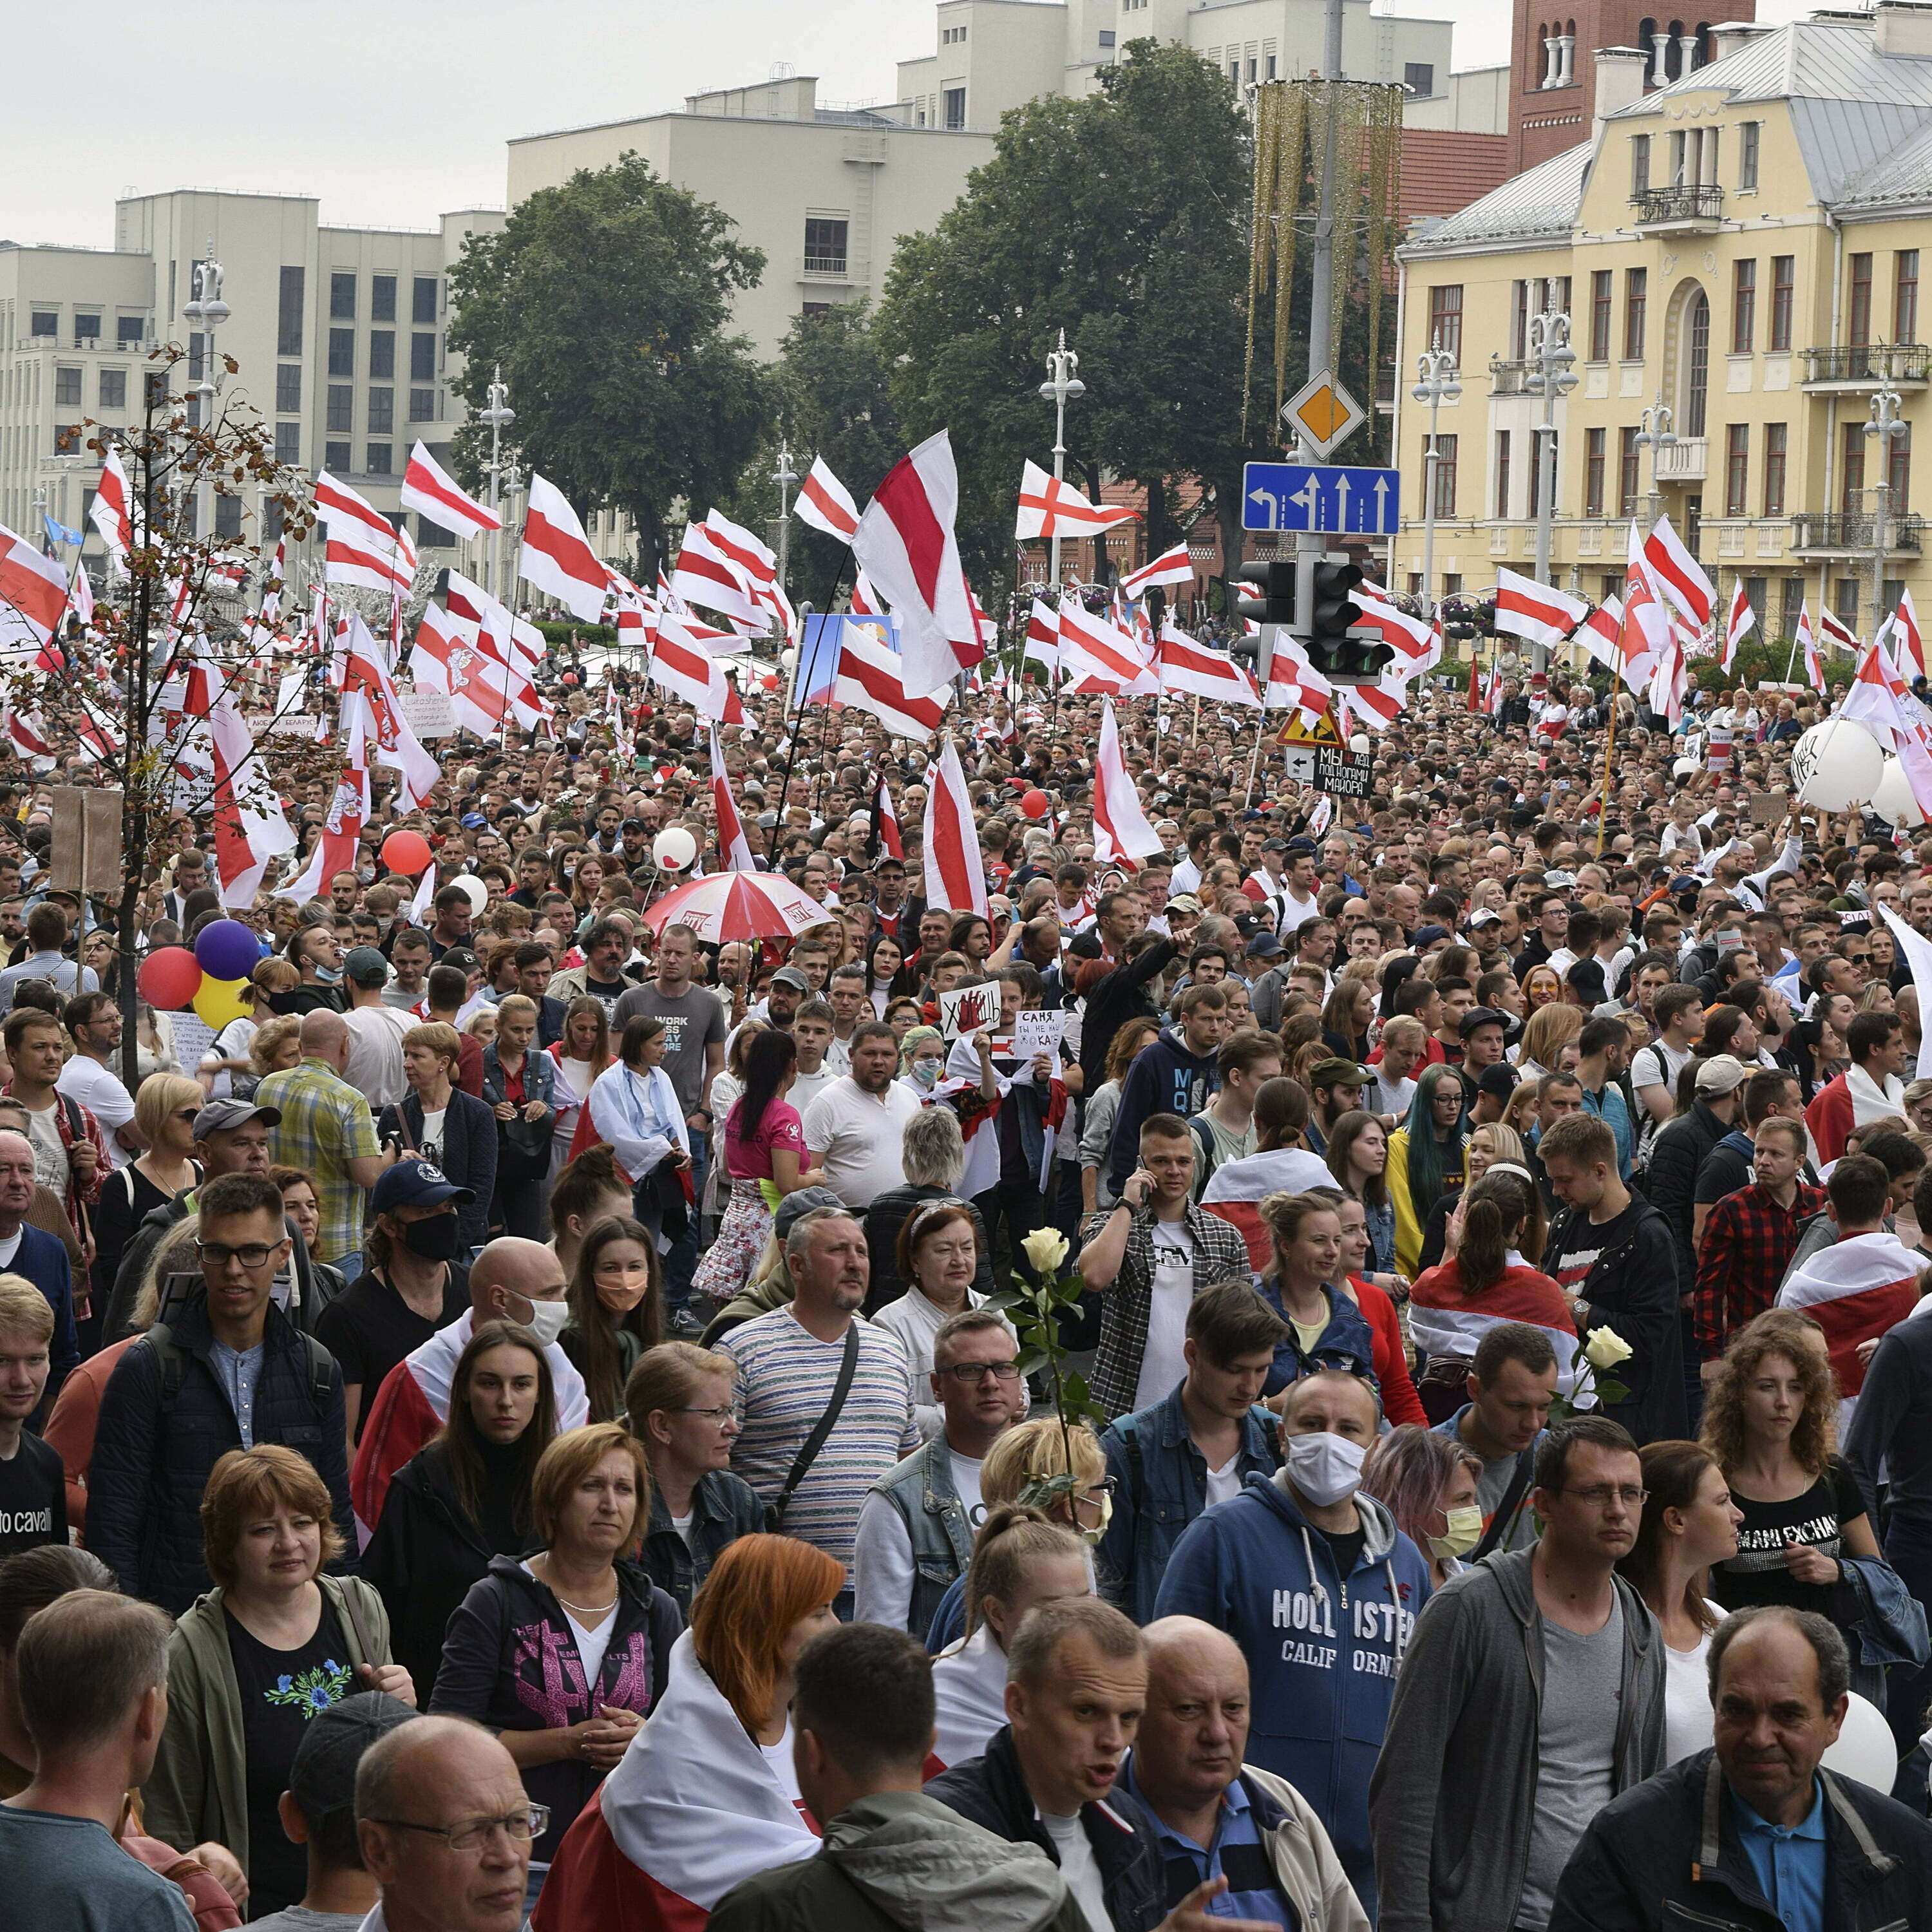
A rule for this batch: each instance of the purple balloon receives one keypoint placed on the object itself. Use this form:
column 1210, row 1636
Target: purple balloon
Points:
column 227, row 950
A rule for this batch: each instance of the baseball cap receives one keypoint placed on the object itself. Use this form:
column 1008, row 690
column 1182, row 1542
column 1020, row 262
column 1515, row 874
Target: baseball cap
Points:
column 1264, row 946
column 802, row 1203
column 363, row 966
column 461, row 957
column 1428, row 935
column 1183, row 902
column 1483, row 916
column 217, row 1117
column 1479, row 1016
column 321, row 1775
column 789, row 975
column 1557, row 881
column 1499, row 1080
column 473, row 821
column 415, row 1183
column 1722, row 1073
column 1338, row 1072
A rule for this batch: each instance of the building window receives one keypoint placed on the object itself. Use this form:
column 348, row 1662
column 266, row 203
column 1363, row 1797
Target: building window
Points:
column 45, row 322
column 1627, row 456
column 67, row 439
column 381, row 298
column 66, row 388
column 1640, row 164
column 341, row 407
column 1737, row 469
column 1860, row 317
column 1852, row 496
column 1905, row 296
column 1697, row 376
column 1274, row 67
column 1502, row 473
column 1594, row 441
column 227, row 516
column 1899, row 472
column 87, row 329
column 380, row 455
column 1773, row 469
column 1419, row 77
column 382, row 412
column 954, row 99
column 288, row 442
column 825, row 241
column 422, row 299
column 382, row 352
column 342, row 298
column 288, row 389
column 1784, row 268
column 1845, row 601
column 342, row 352
column 154, row 389
column 1601, row 300
column 1637, row 300
column 1445, row 475
column 1743, row 307
column 1747, row 142
column 130, row 332
column 289, row 312
column 422, row 406
column 335, row 456
column 422, row 358
column 812, row 310
column 1445, row 319
column 1542, row 451
column 113, row 388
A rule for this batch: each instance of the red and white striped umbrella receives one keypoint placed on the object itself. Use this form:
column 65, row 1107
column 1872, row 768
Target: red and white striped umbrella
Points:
column 724, row 906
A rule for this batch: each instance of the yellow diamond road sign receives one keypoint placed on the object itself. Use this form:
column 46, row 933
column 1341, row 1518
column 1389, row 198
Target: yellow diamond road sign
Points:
column 1322, row 411
column 1323, row 733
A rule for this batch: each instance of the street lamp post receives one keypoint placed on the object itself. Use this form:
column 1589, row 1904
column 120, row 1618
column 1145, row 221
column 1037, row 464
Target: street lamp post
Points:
column 1063, row 386
column 784, row 477
column 1551, row 375
column 499, row 416
column 1655, row 435
column 1888, row 425
column 1436, row 368
column 207, row 312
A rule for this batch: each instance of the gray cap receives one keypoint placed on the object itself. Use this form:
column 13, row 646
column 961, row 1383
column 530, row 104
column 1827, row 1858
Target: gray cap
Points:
column 789, row 975
column 363, row 966
column 794, row 1206
column 218, row 1116
column 322, row 1776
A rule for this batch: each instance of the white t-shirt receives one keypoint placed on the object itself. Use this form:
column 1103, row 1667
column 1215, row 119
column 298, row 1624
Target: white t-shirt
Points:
column 1162, row 1364
column 1686, row 1699
column 1077, row 1866
column 429, row 1142
column 1296, row 912
column 1224, row 1482
column 87, row 1081
column 681, row 1524
column 51, row 1168
column 882, row 1570
column 860, row 1135
column 1656, row 1065
column 779, row 1757
column 591, row 1644
column 375, row 1068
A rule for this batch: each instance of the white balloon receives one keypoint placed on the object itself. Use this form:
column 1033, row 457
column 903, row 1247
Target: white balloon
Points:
column 479, row 893
column 1685, row 768
column 788, row 657
column 674, row 848
column 1836, row 765
column 1892, row 799
column 1865, row 1750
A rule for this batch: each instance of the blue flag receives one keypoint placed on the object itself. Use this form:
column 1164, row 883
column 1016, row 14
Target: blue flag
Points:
column 59, row 533
column 818, row 651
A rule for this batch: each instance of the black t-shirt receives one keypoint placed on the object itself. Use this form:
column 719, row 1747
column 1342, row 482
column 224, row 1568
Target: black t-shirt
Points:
column 33, row 1497
column 370, row 1328
column 609, row 991
column 1757, row 1575
column 1345, row 1545
column 281, row 1690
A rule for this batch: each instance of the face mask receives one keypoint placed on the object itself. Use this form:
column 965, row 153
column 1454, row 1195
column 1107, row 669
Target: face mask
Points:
column 329, row 976
column 1325, row 1468
column 547, row 1321
column 926, row 1071
column 1099, row 1529
column 434, row 1239
column 1465, row 1532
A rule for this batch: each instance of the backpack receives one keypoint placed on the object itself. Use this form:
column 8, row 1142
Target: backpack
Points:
column 173, row 1359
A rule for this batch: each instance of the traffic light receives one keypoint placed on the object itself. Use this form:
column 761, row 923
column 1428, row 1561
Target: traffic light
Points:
column 1339, row 645
column 1275, row 605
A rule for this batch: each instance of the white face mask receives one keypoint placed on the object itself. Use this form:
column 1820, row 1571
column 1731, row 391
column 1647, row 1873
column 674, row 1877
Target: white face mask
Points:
column 1325, row 1468
column 548, row 1319
column 1465, row 1532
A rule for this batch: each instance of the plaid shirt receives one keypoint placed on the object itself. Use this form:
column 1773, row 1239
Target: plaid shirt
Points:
column 1219, row 1254
column 1747, row 1244
column 326, row 1123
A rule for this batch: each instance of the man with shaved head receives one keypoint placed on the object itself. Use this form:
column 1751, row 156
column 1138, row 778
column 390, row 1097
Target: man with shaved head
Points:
column 446, row 1828
column 1215, row 1815
column 327, row 1130
column 511, row 1280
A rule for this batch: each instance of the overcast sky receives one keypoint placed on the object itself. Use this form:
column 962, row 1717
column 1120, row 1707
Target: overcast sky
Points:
column 392, row 111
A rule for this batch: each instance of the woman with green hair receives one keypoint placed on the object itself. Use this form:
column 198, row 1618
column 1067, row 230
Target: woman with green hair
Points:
column 1426, row 1156
column 922, row 1060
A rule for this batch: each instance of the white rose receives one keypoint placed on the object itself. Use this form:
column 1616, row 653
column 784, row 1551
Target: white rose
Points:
column 1046, row 1248
column 1605, row 1348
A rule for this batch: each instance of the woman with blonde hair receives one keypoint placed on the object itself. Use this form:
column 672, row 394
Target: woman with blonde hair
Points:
column 581, row 1052
column 165, row 1107
column 1489, row 1143
column 1547, row 1031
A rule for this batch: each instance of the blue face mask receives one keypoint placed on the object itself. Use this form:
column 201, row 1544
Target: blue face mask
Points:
column 329, row 975
column 926, row 1071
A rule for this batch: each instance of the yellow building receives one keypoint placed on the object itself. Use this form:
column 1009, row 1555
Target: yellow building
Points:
column 1741, row 247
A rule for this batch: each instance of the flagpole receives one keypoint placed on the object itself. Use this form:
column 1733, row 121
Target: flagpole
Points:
column 1609, row 752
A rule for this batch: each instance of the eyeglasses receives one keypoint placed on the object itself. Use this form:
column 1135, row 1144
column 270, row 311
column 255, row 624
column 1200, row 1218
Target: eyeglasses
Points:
column 257, row 1254
column 1600, row 1495
column 720, row 1416
column 977, row 1372
column 467, row 1834
column 1098, row 1491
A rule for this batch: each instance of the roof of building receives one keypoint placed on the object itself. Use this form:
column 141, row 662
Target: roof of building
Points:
column 1542, row 200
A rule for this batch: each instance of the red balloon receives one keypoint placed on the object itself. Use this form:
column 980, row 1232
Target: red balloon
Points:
column 406, row 852
column 1034, row 804
column 170, row 978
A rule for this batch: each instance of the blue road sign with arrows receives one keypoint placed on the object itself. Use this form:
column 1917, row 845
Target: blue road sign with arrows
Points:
column 1325, row 498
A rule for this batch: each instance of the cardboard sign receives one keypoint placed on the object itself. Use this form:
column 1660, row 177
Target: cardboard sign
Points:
column 1768, row 807
column 192, row 1037
column 967, row 1010
column 1037, row 1032
column 426, row 713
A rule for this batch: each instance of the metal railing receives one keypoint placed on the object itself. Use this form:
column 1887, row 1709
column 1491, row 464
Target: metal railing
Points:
column 1689, row 201
column 1853, row 530
column 1870, row 362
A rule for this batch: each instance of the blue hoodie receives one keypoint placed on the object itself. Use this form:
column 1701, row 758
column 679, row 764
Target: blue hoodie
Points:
column 1164, row 1079
column 1323, row 1649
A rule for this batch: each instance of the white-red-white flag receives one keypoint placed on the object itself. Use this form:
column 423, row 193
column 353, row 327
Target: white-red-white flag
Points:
column 905, row 544
column 1807, row 641
column 1678, row 575
column 885, row 816
column 1832, row 629
column 112, row 512
column 1042, row 638
column 955, row 871
column 336, row 850
column 1121, row 829
column 704, row 575
column 557, row 556
column 80, row 595
column 681, row 665
column 429, row 491
column 1645, row 638
column 1910, row 648
column 1187, row 666
column 1049, row 508
column 250, row 827
column 1742, row 618
column 826, row 504
column 1091, row 647
column 392, row 741
column 1599, row 633
column 26, row 732
column 868, row 678
column 732, row 842
column 33, row 583
column 446, row 658
column 759, row 562
column 1172, row 566
column 1536, row 612
column 363, row 548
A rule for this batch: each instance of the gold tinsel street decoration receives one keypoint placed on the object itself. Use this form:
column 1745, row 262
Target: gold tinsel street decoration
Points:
column 1292, row 129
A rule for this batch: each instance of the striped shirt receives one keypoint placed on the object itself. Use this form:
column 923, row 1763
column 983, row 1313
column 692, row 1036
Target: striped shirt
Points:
column 326, row 1123
column 783, row 1384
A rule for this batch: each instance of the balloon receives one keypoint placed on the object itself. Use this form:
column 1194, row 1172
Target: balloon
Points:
column 170, row 978
column 1685, row 768
column 1836, row 765
column 1864, row 1749
column 1034, row 804
column 406, row 852
column 674, row 848
column 479, row 893
column 1892, row 799
column 226, row 949
column 219, row 1001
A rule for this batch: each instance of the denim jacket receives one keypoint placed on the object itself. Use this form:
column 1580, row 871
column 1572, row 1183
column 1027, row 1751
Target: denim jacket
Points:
column 1382, row 1236
column 723, row 1508
column 921, row 1489
column 1160, row 1485
column 529, row 1138
column 1347, row 1342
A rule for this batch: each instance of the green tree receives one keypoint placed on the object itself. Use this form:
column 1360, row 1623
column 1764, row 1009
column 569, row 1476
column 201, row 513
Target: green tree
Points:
column 608, row 303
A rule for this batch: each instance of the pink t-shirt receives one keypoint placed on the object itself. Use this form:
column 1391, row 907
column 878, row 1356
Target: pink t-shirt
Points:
column 752, row 1160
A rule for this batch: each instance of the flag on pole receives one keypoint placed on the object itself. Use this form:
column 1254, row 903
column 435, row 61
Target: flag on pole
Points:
column 363, row 548
column 1042, row 638
column 1678, row 576
column 868, row 678
column 1172, row 566
column 422, row 907
column 1741, row 619
column 112, row 512
column 955, row 873
column 1091, row 647
column 1808, row 649
column 681, row 665
column 1121, row 829
column 704, row 574
column 429, row 491
column 1910, row 649
column 1050, row 508
column 80, row 597
column 732, row 843
column 557, row 556
column 33, row 583
column 1187, row 666
column 1835, row 630
column 886, row 838
column 1599, row 633
column 1536, row 612
column 826, row 504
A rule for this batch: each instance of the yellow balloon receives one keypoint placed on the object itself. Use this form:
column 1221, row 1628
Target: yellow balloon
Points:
column 219, row 1001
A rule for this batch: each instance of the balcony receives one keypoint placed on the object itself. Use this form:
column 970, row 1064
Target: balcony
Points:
column 1906, row 365
column 1692, row 207
column 832, row 268
column 1686, row 461
column 1851, row 534
column 1506, row 378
